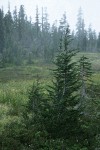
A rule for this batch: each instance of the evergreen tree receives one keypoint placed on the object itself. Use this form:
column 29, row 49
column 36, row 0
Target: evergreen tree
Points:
column 81, row 37
column 63, row 24
column 90, row 39
column 79, row 27
column 98, row 42
column 46, row 37
column 8, row 53
column 64, row 95
column 54, row 40
column 46, row 25
column 2, row 36
column 87, row 102
column 1, row 32
column 21, row 22
column 85, row 78
column 37, row 22
column 15, row 24
column 94, row 41
column 85, row 41
column 36, row 39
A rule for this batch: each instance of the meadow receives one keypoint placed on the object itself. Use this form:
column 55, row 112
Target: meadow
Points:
column 16, row 81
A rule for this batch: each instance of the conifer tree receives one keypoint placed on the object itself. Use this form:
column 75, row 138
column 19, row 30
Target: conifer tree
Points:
column 63, row 24
column 1, row 32
column 64, row 93
column 85, row 76
column 15, row 24
column 8, row 53
column 98, row 42
column 87, row 102
column 35, row 98
column 2, row 37
column 21, row 22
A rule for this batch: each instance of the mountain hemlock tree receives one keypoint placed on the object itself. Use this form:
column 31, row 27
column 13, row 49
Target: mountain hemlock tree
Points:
column 8, row 53
column 87, row 102
column 15, row 24
column 91, row 39
column 85, row 77
column 63, row 24
column 55, row 41
column 2, row 39
column 98, row 42
column 46, row 37
column 37, row 23
column 79, row 29
column 21, row 22
column 37, row 36
column 81, row 32
column 1, row 32
column 64, row 94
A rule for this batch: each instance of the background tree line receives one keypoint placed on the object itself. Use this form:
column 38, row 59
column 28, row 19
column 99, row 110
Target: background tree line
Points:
column 22, row 40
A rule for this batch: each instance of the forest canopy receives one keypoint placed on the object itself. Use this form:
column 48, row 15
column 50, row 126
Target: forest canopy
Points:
column 22, row 40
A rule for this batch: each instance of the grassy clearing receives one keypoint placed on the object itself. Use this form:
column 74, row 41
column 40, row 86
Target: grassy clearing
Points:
column 40, row 69
column 23, row 72
column 94, row 59
column 96, row 78
column 14, row 85
column 15, row 82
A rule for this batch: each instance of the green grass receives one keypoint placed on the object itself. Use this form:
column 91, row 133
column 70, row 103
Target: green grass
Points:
column 24, row 72
column 94, row 59
column 40, row 69
column 16, row 81
column 96, row 78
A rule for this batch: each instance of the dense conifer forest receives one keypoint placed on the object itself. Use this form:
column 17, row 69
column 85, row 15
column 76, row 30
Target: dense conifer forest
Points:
column 22, row 40
column 49, row 83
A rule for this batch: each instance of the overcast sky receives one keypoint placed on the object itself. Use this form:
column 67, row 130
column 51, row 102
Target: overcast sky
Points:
column 91, row 10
